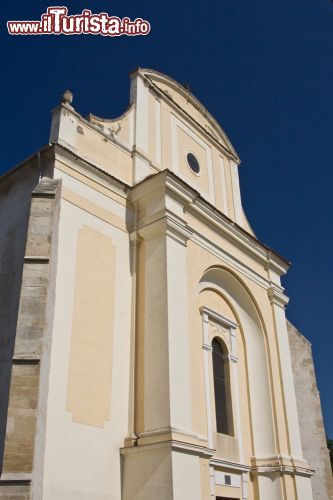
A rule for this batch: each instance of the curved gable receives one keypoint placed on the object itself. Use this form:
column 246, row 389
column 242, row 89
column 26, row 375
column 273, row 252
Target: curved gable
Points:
column 188, row 103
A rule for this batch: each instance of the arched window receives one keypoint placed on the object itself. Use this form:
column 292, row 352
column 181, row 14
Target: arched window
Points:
column 223, row 407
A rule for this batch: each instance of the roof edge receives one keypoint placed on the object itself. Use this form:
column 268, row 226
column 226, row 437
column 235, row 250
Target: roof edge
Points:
column 184, row 92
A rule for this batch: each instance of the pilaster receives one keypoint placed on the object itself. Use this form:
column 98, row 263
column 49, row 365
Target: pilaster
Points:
column 166, row 369
column 294, row 463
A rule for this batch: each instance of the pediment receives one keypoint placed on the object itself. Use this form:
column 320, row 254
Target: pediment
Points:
column 189, row 104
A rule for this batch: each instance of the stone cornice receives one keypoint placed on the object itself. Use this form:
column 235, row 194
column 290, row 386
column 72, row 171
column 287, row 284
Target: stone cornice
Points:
column 201, row 451
column 221, row 253
column 277, row 297
column 166, row 183
column 282, row 469
column 171, row 444
column 167, row 225
column 226, row 464
column 280, row 463
column 64, row 154
column 195, row 203
column 218, row 317
column 16, row 478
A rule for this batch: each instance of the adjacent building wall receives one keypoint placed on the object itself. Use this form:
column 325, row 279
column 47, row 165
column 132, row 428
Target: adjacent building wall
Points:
column 24, row 440
column 16, row 187
column 310, row 415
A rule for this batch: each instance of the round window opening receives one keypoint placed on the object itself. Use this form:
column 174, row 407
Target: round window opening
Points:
column 193, row 163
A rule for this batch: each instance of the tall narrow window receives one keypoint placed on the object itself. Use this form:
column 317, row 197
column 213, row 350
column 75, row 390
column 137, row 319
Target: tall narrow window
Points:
column 222, row 391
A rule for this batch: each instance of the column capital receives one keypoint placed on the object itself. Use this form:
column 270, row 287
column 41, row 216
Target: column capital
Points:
column 167, row 225
column 277, row 297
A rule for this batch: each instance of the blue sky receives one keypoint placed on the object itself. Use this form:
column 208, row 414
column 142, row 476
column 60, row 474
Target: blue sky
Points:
column 265, row 71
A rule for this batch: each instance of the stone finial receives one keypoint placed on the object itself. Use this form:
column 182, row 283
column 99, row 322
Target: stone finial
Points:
column 67, row 97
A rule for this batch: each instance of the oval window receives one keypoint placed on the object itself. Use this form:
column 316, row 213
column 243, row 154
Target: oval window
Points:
column 193, row 163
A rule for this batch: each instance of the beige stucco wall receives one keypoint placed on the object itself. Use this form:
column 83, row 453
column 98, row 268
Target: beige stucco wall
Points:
column 103, row 152
column 95, row 143
column 88, row 397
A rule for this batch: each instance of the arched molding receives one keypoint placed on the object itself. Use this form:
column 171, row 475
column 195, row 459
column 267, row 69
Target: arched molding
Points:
column 227, row 284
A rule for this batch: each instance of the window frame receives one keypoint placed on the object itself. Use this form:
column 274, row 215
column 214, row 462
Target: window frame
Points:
column 222, row 387
column 208, row 315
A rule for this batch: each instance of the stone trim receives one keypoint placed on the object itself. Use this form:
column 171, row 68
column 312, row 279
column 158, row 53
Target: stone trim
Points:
column 277, row 297
column 29, row 362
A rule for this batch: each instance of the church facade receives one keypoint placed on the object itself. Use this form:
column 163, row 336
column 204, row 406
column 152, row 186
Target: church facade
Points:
column 146, row 353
